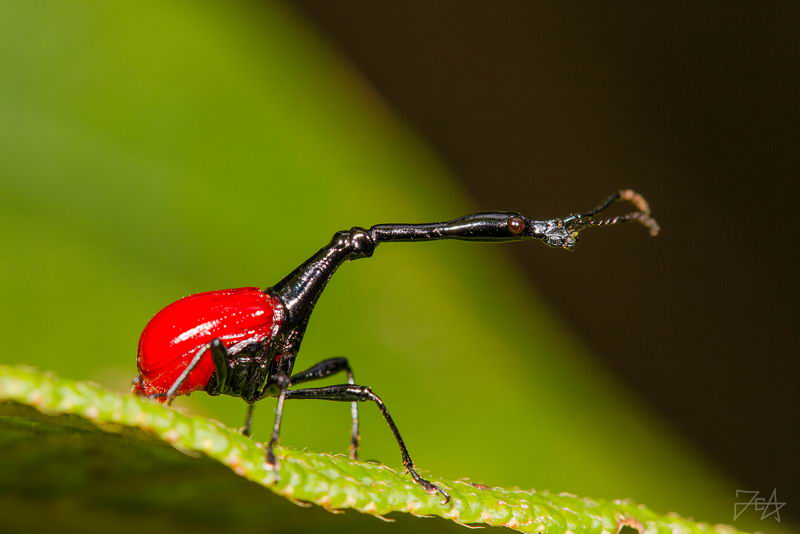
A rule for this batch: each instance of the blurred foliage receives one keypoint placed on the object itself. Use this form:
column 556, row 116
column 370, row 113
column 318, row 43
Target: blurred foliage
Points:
column 149, row 150
column 118, row 453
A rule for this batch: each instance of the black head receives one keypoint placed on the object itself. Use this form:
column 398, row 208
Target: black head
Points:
column 559, row 232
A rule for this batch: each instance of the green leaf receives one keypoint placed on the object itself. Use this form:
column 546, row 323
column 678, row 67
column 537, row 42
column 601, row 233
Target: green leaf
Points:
column 332, row 481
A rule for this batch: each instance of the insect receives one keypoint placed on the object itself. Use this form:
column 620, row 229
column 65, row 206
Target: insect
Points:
column 243, row 342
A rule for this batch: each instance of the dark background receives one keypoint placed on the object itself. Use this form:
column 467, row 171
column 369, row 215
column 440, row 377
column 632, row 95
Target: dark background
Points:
column 547, row 108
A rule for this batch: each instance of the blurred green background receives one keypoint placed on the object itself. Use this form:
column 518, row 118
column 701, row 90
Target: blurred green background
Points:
column 149, row 150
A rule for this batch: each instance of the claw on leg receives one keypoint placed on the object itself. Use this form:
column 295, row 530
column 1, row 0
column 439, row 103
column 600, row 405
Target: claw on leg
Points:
column 428, row 486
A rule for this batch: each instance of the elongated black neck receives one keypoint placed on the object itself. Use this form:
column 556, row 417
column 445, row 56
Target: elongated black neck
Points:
column 300, row 290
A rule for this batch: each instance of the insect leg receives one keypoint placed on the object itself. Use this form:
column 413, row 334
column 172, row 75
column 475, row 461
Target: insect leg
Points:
column 221, row 357
column 248, row 419
column 282, row 381
column 173, row 389
column 351, row 393
column 327, row 368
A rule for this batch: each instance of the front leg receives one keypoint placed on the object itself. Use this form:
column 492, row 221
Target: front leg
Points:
column 327, row 368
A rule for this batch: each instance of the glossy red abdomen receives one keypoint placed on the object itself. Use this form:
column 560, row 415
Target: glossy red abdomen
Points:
column 177, row 333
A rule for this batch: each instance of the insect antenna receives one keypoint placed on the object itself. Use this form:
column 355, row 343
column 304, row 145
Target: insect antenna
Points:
column 641, row 215
column 637, row 216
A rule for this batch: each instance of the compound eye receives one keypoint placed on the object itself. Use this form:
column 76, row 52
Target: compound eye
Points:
column 516, row 225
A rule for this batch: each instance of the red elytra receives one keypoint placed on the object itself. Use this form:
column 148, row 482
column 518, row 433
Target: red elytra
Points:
column 175, row 335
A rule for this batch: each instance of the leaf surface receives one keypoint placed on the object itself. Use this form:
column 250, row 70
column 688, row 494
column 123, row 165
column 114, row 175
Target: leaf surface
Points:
column 97, row 422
